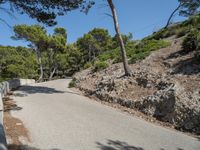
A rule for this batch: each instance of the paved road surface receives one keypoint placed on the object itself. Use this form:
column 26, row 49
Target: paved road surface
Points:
column 59, row 119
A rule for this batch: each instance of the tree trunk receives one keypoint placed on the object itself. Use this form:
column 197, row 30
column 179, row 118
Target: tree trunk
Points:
column 121, row 42
column 170, row 17
column 52, row 73
column 51, row 63
column 41, row 67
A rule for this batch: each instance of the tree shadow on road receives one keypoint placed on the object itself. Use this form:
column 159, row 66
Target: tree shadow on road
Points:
column 119, row 145
column 116, row 145
column 26, row 147
column 36, row 89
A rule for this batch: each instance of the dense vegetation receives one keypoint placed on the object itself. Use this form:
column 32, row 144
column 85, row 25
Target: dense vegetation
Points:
column 57, row 59
column 17, row 62
column 53, row 57
column 178, row 29
column 189, row 29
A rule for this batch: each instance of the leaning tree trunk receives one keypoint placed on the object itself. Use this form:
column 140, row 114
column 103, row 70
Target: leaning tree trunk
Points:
column 52, row 72
column 53, row 68
column 170, row 17
column 121, row 42
column 41, row 67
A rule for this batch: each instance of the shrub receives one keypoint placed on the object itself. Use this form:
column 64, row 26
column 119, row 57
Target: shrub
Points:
column 197, row 53
column 111, row 54
column 139, row 56
column 163, row 33
column 144, row 48
column 105, row 56
column 181, row 32
column 100, row 65
column 87, row 65
column 118, row 59
column 150, row 45
column 72, row 83
column 190, row 43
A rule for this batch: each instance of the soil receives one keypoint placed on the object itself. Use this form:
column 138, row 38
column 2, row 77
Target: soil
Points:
column 16, row 133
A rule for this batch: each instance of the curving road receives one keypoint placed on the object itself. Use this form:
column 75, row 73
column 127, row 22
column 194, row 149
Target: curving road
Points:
column 59, row 119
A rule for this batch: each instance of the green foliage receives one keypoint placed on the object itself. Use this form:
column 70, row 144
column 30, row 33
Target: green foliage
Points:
column 150, row 45
column 109, row 55
column 190, row 42
column 126, row 39
column 179, row 29
column 34, row 34
column 50, row 49
column 180, row 32
column 138, row 57
column 72, row 83
column 144, row 48
column 17, row 62
column 94, row 43
column 93, row 49
column 134, row 51
column 74, row 60
column 87, row 65
column 161, row 34
column 100, row 65
column 61, row 31
column 46, row 11
column 189, row 7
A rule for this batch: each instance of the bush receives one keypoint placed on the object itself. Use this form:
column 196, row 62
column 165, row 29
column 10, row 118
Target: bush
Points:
column 190, row 43
column 163, row 33
column 100, row 65
column 72, row 83
column 181, row 32
column 144, row 48
column 197, row 53
column 139, row 56
column 87, row 65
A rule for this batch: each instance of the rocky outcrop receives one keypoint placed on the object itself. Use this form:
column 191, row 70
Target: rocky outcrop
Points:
column 156, row 89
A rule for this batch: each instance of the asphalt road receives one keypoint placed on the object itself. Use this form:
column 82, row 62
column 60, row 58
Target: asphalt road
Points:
column 59, row 119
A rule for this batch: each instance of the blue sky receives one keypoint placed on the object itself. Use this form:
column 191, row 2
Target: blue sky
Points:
column 140, row 17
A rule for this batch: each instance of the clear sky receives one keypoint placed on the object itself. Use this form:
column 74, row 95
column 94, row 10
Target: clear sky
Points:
column 140, row 17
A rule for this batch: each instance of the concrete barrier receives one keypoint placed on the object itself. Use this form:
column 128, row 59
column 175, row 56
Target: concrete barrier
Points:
column 5, row 87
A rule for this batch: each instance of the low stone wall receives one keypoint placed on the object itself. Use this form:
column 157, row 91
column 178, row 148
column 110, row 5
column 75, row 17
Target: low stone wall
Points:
column 5, row 87
column 165, row 105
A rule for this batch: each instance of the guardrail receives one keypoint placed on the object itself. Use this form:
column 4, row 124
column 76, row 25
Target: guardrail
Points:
column 6, row 87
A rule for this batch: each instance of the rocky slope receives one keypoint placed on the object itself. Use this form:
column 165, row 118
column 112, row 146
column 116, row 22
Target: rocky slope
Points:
column 165, row 85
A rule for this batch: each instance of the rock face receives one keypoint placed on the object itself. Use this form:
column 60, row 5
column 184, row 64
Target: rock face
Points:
column 162, row 86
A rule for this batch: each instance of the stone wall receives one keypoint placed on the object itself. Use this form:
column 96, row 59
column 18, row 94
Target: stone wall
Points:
column 5, row 87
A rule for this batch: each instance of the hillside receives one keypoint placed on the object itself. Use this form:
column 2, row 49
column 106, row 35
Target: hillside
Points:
column 165, row 85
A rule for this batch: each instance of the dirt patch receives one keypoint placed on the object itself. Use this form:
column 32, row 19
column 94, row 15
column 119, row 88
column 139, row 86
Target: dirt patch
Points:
column 16, row 133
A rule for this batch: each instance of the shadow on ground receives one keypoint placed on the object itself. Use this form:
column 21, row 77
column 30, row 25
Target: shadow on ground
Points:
column 119, row 145
column 186, row 67
column 116, row 145
column 36, row 89
column 177, row 54
column 26, row 147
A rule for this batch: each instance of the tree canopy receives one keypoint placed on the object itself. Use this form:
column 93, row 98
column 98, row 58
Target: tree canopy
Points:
column 47, row 10
column 189, row 7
